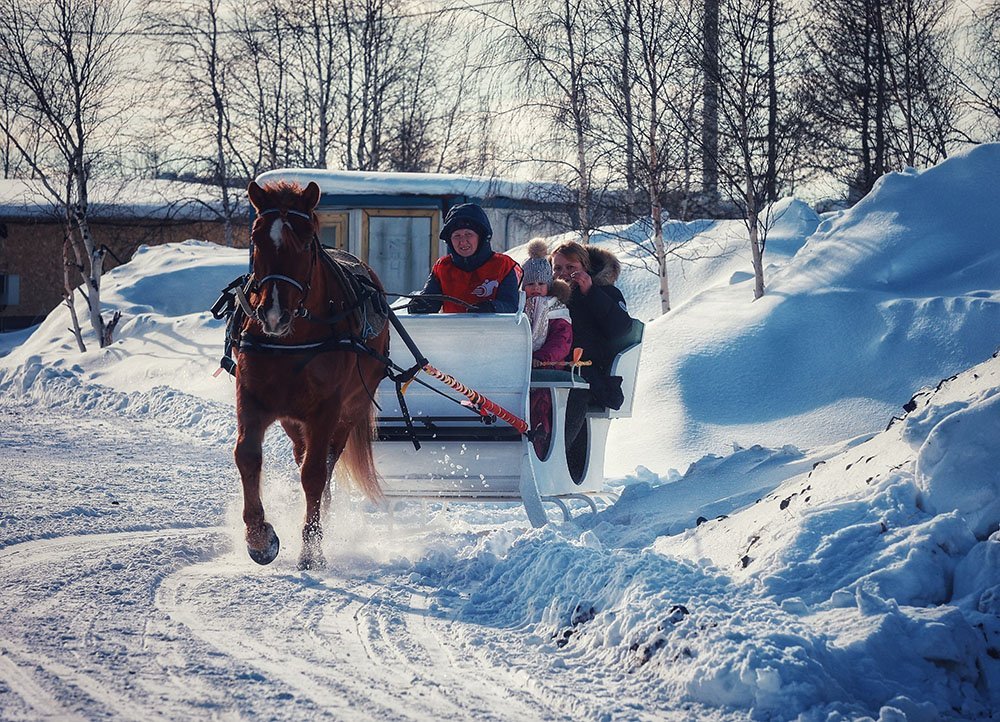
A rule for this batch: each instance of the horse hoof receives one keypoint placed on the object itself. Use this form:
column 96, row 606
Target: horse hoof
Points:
column 311, row 561
column 267, row 554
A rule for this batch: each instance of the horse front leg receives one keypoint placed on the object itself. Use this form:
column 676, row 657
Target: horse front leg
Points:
column 320, row 456
column 262, row 542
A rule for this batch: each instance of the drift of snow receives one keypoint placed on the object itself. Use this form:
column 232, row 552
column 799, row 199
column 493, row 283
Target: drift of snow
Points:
column 830, row 566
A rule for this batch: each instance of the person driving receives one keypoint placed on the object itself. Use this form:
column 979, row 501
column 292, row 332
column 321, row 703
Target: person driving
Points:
column 482, row 280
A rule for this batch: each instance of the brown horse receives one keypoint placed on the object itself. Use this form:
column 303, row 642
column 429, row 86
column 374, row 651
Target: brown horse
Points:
column 290, row 369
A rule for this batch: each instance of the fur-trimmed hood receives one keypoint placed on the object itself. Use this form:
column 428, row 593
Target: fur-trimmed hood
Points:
column 605, row 267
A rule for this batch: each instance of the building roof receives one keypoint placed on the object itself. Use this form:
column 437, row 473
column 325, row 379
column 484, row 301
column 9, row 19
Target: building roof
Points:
column 119, row 200
column 368, row 183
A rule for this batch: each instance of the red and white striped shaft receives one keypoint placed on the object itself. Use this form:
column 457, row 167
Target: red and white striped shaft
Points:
column 480, row 403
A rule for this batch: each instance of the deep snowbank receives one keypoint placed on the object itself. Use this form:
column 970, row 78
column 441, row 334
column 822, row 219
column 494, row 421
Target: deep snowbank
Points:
column 866, row 585
column 893, row 294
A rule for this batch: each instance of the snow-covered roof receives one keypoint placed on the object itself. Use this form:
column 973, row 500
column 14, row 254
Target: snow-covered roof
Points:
column 350, row 182
column 135, row 199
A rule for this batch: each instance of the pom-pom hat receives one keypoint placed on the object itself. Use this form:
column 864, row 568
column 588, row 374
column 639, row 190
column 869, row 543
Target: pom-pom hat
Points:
column 537, row 268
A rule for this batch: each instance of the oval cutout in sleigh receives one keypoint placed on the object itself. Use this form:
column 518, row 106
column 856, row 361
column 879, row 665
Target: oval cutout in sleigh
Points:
column 464, row 456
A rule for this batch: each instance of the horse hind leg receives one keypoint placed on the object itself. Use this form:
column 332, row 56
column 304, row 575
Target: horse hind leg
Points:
column 294, row 431
column 262, row 541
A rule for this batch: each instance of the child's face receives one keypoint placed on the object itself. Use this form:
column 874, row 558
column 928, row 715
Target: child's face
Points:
column 538, row 288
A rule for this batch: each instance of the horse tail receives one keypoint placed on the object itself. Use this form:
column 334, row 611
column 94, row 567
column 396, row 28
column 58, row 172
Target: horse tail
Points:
column 357, row 459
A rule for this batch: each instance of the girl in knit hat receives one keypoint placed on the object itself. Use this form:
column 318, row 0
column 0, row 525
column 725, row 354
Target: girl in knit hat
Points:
column 551, row 332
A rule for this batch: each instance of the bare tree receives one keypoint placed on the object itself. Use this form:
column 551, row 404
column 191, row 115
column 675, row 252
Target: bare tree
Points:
column 882, row 91
column 323, row 69
column 199, row 59
column 980, row 71
column 758, row 122
column 753, row 56
column 710, row 104
column 647, row 40
column 66, row 65
column 375, row 52
column 431, row 93
column 466, row 136
column 551, row 48
column 921, row 74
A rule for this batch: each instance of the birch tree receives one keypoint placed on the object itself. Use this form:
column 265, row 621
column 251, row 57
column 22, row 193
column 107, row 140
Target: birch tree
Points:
column 758, row 122
column 66, row 64
column 199, row 59
column 645, row 72
column 550, row 49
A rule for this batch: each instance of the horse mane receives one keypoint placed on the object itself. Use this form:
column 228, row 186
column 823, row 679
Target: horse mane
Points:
column 288, row 192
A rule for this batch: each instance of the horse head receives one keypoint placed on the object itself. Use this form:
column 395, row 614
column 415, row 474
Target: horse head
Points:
column 284, row 253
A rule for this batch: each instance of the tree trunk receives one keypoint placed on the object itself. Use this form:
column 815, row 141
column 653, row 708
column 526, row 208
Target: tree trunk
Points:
column 710, row 106
column 771, row 174
column 656, row 209
column 756, row 242
column 661, row 256
column 349, row 132
column 70, row 290
column 227, row 216
column 583, row 196
column 92, row 279
column 625, row 79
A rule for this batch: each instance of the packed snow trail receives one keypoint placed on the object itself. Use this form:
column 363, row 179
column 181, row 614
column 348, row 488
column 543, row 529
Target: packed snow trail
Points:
column 127, row 595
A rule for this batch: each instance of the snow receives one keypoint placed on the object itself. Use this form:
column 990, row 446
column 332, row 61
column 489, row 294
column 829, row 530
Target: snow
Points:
column 161, row 199
column 808, row 524
column 350, row 182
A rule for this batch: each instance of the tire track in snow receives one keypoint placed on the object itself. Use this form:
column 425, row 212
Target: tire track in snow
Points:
column 15, row 672
column 512, row 681
column 285, row 644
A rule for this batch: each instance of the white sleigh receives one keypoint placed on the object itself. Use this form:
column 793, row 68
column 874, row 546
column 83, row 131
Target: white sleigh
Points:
column 463, row 459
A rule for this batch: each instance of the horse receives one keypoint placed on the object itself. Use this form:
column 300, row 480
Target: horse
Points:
column 304, row 362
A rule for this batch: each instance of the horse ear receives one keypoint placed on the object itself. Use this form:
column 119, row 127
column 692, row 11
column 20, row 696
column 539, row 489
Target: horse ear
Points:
column 256, row 195
column 311, row 196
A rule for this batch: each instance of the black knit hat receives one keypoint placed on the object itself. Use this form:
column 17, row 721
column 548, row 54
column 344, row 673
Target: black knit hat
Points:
column 467, row 215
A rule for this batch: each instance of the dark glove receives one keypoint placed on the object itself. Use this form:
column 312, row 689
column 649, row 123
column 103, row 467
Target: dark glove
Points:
column 483, row 307
column 420, row 305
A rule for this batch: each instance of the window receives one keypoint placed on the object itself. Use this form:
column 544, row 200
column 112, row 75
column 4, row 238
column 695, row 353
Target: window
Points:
column 333, row 228
column 401, row 246
column 10, row 289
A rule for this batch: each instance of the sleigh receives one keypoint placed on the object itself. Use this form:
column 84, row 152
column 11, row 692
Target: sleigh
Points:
column 466, row 457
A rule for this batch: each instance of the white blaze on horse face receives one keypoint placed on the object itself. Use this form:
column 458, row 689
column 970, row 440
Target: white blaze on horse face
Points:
column 276, row 231
column 273, row 314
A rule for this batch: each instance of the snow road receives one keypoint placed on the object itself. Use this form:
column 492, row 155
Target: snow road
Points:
column 127, row 596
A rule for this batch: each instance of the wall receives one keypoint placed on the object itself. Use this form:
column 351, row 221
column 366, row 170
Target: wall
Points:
column 34, row 251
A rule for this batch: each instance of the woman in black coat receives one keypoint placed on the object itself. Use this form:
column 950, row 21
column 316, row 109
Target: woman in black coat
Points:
column 599, row 315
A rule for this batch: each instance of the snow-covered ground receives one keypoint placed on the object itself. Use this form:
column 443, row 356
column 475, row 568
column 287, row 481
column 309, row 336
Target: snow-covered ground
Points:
column 780, row 550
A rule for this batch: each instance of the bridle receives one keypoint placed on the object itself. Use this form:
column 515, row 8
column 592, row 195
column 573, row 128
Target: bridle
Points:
column 256, row 285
